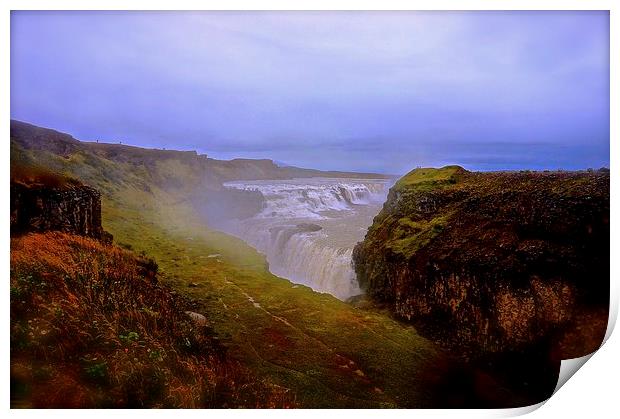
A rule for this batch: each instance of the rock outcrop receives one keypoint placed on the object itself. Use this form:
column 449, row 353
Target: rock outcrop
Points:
column 64, row 206
column 490, row 263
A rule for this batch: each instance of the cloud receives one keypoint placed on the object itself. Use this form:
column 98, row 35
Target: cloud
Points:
column 294, row 83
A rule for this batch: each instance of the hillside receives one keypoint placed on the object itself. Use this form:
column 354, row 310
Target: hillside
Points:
column 208, row 172
column 190, row 177
column 323, row 352
column 511, row 269
column 92, row 327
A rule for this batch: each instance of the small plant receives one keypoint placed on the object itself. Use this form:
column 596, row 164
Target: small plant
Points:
column 58, row 311
column 149, row 312
column 97, row 371
column 16, row 292
column 129, row 338
column 155, row 355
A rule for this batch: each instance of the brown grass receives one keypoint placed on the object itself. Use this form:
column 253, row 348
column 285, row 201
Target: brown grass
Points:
column 91, row 327
column 36, row 176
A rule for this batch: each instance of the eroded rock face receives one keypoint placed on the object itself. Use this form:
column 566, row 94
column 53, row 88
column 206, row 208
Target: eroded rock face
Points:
column 489, row 262
column 75, row 209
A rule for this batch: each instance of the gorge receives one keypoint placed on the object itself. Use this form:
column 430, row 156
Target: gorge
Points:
column 307, row 227
column 464, row 277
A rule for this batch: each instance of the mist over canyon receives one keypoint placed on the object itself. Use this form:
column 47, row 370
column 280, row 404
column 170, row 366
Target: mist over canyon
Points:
column 307, row 228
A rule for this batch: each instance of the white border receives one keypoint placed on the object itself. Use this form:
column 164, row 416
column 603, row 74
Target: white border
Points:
column 592, row 393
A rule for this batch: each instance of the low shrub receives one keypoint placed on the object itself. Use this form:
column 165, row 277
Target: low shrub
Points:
column 92, row 327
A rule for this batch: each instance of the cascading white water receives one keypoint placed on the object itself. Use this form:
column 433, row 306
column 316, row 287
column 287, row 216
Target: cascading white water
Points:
column 308, row 228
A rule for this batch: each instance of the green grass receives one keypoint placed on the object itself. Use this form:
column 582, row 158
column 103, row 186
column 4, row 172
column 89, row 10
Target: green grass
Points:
column 429, row 177
column 410, row 236
column 329, row 353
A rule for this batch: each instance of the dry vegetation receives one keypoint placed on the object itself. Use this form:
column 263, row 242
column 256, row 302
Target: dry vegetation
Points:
column 91, row 327
column 36, row 176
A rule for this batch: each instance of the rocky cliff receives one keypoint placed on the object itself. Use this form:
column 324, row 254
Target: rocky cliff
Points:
column 49, row 202
column 489, row 263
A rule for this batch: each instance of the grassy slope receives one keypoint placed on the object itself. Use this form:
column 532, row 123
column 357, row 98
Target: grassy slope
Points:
column 329, row 353
column 90, row 327
column 428, row 177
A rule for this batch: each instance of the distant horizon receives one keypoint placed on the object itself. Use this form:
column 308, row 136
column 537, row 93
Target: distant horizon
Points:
column 378, row 92
column 285, row 164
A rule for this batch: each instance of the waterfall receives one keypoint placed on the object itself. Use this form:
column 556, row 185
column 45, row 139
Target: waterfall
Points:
column 308, row 227
column 305, row 198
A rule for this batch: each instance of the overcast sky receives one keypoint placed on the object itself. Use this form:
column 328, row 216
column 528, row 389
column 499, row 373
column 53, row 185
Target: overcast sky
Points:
column 366, row 91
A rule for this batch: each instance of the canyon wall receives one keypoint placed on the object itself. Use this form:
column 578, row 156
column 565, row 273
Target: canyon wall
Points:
column 493, row 262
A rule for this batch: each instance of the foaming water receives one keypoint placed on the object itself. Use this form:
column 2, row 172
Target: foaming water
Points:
column 308, row 228
column 310, row 198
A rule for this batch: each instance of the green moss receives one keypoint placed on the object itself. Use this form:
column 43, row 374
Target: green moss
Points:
column 410, row 236
column 427, row 178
